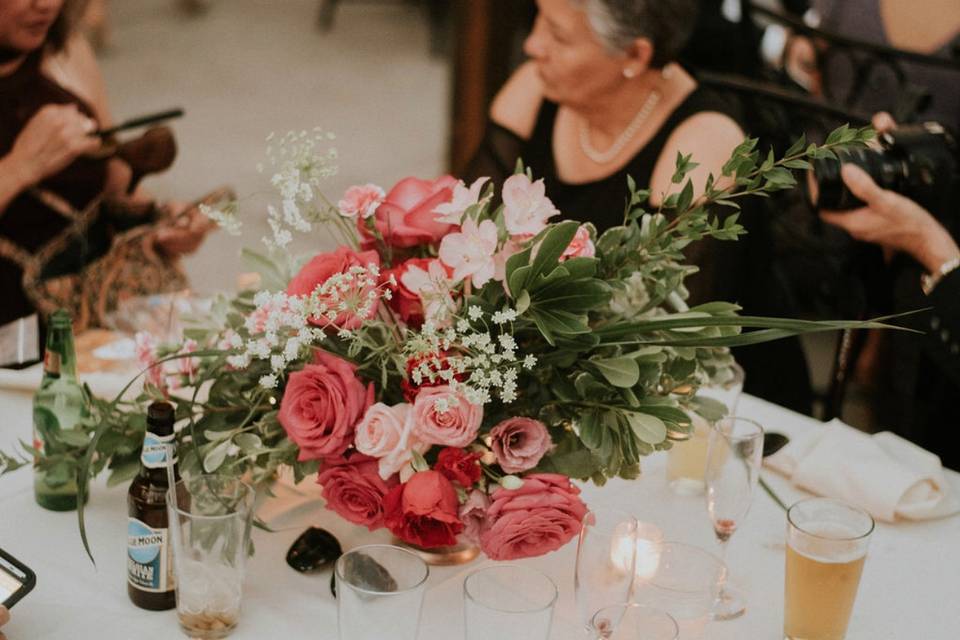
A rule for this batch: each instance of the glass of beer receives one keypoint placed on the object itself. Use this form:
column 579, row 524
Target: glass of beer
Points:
column 826, row 548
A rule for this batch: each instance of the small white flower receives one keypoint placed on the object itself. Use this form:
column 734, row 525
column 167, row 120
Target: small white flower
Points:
column 529, row 362
column 268, row 381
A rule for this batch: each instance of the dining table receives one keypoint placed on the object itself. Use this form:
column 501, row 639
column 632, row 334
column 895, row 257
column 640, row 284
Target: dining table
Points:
column 907, row 591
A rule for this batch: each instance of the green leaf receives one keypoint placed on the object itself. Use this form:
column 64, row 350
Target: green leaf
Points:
column 554, row 243
column 620, row 372
column 123, row 472
column 523, row 302
column 591, row 429
column 272, row 277
column 797, row 147
column 73, row 437
column 648, row 428
column 710, row 409
column 249, row 442
column 215, row 457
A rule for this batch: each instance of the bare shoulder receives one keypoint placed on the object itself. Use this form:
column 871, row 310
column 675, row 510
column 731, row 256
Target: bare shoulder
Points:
column 516, row 106
column 709, row 136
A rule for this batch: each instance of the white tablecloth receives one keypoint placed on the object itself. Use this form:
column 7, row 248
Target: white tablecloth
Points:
column 908, row 589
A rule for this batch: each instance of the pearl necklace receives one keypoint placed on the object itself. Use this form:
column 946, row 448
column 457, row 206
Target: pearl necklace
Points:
column 603, row 157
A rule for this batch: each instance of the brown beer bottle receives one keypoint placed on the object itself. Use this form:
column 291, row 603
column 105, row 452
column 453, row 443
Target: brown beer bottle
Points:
column 150, row 580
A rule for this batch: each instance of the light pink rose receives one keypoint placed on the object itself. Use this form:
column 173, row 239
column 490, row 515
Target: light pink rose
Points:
column 321, row 406
column 580, row 247
column 472, row 252
column 473, row 514
column 519, row 443
column 361, row 200
column 354, row 490
column 526, row 208
column 455, row 427
column 541, row 516
column 407, row 217
column 385, row 433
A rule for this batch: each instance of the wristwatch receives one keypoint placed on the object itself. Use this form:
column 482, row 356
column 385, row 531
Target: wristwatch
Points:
column 929, row 281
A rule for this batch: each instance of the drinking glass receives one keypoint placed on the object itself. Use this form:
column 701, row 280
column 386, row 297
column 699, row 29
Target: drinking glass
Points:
column 606, row 561
column 633, row 622
column 508, row 601
column 686, row 585
column 687, row 460
column 210, row 518
column 379, row 593
column 734, row 457
column 826, row 548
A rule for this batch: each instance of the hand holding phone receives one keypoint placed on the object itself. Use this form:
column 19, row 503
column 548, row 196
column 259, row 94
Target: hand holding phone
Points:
column 16, row 580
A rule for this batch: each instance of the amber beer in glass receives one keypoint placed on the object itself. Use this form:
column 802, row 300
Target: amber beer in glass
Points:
column 826, row 548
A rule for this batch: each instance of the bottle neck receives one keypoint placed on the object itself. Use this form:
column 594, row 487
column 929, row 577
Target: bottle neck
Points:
column 159, row 451
column 59, row 357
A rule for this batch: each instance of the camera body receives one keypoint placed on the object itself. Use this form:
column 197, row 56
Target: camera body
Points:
column 919, row 161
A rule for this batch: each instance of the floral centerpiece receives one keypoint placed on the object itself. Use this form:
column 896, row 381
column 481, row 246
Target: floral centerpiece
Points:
column 461, row 356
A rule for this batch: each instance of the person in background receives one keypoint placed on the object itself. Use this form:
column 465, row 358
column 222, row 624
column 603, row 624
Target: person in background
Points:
column 4, row 619
column 920, row 401
column 56, row 247
column 603, row 98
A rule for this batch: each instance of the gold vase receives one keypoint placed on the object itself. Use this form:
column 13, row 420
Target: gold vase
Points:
column 460, row 553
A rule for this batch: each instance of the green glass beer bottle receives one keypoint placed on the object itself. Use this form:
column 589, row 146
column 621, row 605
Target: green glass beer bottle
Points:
column 58, row 405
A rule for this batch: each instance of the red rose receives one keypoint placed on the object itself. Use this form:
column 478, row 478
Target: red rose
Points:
column 354, row 489
column 321, row 406
column 411, row 388
column 406, row 217
column 406, row 303
column 541, row 516
column 423, row 511
column 457, row 465
column 321, row 268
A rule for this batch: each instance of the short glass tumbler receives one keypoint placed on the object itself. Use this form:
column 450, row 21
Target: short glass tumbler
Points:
column 827, row 544
column 380, row 593
column 508, row 601
column 210, row 535
column 633, row 622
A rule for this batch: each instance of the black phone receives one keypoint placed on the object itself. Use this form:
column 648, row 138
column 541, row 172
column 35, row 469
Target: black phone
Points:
column 16, row 579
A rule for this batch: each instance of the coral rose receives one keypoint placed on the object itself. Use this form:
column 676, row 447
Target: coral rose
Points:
column 459, row 466
column 541, row 516
column 385, row 433
column 354, row 489
column 321, row 268
column 454, row 426
column 321, row 406
column 473, row 514
column 406, row 218
column 424, row 511
column 519, row 443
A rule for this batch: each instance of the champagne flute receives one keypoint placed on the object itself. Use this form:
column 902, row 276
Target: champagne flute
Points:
column 605, row 572
column 734, row 455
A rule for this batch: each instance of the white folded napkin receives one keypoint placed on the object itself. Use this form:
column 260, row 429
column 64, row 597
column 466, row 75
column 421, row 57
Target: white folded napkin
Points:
column 884, row 474
column 104, row 384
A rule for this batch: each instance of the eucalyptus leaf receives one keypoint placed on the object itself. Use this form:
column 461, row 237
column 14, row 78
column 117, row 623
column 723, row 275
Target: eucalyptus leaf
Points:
column 620, row 372
column 649, row 429
column 215, row 457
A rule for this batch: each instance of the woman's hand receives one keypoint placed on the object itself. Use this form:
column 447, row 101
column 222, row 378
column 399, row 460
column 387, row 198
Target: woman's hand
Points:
column 183, row 232
column 893, row 222
column 51, row 140
column 4, row 619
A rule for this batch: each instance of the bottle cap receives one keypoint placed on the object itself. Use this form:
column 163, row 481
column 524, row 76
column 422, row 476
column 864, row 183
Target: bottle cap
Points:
column 160, row 414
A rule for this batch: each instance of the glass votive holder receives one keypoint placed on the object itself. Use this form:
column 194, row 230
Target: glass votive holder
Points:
column 508, row 601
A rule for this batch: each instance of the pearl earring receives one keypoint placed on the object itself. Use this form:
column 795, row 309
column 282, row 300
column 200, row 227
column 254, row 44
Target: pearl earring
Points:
column 629, row 73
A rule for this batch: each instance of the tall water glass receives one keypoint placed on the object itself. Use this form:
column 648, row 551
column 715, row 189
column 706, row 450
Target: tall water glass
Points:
column 734, row 458
column 210, row 534
column 508, row 601
column 687, row 460
column 686, row 585
column 606, row 561
column 827, row 544
column 633, row 622
column 379, row 593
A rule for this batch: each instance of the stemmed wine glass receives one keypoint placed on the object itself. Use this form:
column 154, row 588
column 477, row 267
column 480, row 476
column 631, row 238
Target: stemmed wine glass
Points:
column 734, row 455
column 605, row 572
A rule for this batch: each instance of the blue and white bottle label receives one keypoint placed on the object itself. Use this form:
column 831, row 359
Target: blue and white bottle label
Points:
column 149, row 566
column 155, row 448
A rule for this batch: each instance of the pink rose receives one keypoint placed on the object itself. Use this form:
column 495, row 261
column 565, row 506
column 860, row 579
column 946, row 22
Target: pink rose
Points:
column 457, row 426
column 361, row 201
column 321, row 268
column 473, row 514
column 424, row 511
column 321, row 406
column 354, row 489
column 519, row 443
column 580, row 247
column 541, row 516
column 526, row 208
column 385, row 433
column 406, row 218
